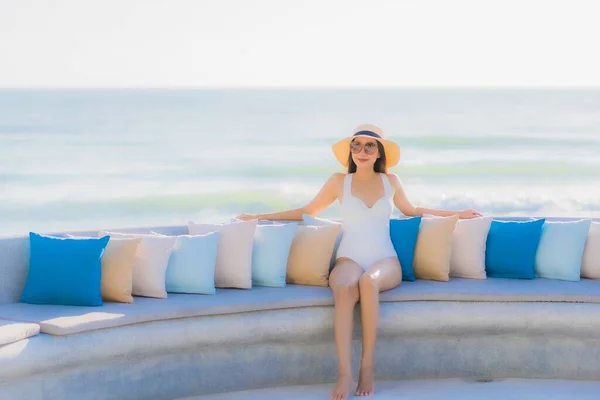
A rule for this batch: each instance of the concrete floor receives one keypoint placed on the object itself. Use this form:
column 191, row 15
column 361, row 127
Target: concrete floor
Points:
column 447, row 389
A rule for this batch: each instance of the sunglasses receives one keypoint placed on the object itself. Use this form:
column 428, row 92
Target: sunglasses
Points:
column 357, row 147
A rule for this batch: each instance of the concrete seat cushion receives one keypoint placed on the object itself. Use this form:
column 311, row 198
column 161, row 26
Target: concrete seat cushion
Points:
column 11, row 331
column 65, row 320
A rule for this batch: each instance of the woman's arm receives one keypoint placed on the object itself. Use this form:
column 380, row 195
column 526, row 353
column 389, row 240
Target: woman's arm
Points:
column 326, row 196
column 407, row 208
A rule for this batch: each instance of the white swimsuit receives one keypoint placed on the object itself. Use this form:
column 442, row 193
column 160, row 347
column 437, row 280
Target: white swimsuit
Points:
column 366, row 231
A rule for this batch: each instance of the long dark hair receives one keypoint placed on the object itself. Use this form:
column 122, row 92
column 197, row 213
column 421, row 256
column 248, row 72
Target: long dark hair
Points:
column 379, row 165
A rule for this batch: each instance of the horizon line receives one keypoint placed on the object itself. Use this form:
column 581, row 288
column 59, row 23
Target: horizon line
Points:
column 307, row 87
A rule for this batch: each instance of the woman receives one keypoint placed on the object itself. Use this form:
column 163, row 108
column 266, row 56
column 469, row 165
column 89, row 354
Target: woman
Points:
column 366, row 262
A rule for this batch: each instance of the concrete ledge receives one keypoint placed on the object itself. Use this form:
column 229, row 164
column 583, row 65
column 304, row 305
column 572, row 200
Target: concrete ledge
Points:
column 213, row 354
column 435, row 389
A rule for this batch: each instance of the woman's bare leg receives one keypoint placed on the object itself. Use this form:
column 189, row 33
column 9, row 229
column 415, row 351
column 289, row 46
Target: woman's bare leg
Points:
column 383, row 275
column 343, row 281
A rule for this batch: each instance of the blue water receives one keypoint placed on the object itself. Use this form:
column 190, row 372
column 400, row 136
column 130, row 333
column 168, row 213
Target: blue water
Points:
column 84, row 159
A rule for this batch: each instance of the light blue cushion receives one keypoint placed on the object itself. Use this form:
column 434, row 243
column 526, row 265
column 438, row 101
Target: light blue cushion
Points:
column 560, row 252
column 270, row 253
column 404, row 233
column 64, row 271
column 191, row 267
column 316, row 221
column 511, row 248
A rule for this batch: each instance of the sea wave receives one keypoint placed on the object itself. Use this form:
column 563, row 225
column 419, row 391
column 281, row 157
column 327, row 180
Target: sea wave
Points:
column 219, row 207
column 442, row 170
column 278, row 200
column 483, row 169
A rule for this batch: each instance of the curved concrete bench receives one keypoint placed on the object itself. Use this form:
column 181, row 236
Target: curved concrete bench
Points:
column 189, row 345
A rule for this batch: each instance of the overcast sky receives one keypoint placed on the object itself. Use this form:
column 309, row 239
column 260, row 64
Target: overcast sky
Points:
column 133, row 43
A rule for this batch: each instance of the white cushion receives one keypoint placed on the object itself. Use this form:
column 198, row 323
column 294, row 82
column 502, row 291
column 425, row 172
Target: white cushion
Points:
column 590, row 267
column 467, row 258
column 234, row 254
column 11, row 331
column 468, row 248
column 152, row 259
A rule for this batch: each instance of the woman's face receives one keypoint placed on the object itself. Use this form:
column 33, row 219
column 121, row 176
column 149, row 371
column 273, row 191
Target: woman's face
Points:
column 364, row 151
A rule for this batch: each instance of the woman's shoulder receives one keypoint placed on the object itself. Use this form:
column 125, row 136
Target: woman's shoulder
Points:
column 335, row 180
column 394, row 180
column 338, row 176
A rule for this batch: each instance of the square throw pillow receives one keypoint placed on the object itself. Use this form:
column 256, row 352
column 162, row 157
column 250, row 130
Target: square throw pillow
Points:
column 468, row 248
column 152, row 259
column 467, row 259
column 560, row 251
column 434, row 248
column 64, row 271
column 272, row 245
column 234, row 253
column 118, row 262
column 192, row 263
column 316, row 221
column 590, row 266
column 511, row 248
column 404, row 233
column 310, row 255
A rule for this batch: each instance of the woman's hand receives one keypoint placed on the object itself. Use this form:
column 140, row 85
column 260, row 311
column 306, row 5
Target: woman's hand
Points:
column 468, row 214
column 248, row 217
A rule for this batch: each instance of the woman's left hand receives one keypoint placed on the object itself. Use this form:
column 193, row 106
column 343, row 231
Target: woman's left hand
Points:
column 468, row 214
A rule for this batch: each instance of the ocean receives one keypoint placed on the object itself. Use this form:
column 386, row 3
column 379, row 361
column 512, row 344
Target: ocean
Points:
column 95, row 159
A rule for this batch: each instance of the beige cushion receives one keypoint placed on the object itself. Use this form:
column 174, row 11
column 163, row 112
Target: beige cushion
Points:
column 590, row 266
column 234, row 253
column 469, row 242
column 152, row 259
column 310, row 255
column 434, row 248
column 118, row 261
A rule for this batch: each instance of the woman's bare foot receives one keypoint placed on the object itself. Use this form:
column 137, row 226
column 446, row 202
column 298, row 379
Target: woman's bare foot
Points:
column 342, row 388
column 366, row 386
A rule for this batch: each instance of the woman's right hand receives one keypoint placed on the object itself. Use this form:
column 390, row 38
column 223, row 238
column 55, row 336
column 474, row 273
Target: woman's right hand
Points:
column 248, row 217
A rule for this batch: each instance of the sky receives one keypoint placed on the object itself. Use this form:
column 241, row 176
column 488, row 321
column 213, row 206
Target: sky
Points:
column 299, row 43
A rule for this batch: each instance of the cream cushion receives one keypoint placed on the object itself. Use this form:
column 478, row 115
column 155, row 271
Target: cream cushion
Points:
column 434, row 248
column 233, row 268
column 118, row 262
column 310, row 255
column 152, row 259
column 590, row 267
column 467, row 259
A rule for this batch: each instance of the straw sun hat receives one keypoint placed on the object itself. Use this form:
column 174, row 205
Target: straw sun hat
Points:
column 341, row 149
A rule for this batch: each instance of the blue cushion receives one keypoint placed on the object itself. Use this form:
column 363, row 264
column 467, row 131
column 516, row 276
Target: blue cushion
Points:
column 404, row 233
column 560, row 251
column 511, row 248
column 316, row 221
column 191, row 267
column 270, row 253
column 64, row 271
